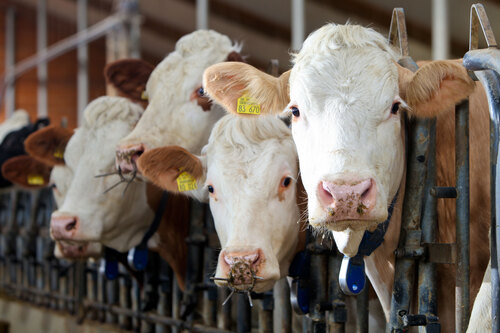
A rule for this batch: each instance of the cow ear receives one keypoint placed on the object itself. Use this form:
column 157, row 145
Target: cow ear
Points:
column 226, row 82
column 26, row 171
column 129, row 77
column 435, row 87
column 164, row 165
column 48, row 145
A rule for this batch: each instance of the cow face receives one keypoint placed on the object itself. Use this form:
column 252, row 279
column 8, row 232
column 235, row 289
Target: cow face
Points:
column 178, row 112
column 346, row 93
column 249, row 169
column 118, row 218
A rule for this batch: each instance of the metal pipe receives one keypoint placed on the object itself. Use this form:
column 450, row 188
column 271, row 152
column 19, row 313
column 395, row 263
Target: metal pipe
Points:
column 243, row 314
column 427, row 295
column 462, row 304
column 298, row 24
column 440, row 31
column 10, row 59
column 202, row 10
column 282, row 309
column 337, row 316
column 41, row 42
column 362, row 311
column 82, row 59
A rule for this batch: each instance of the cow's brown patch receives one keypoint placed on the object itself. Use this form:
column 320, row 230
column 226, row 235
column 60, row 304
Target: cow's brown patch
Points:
column 48, row 144
column 129, row 77
column 26, row 171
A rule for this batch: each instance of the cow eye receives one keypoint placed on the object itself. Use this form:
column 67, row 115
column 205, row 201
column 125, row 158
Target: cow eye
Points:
column 200, row 92
column 395, row 108
column 53, row 186
column 286, row 181
column 295, row 111
column 210, row 188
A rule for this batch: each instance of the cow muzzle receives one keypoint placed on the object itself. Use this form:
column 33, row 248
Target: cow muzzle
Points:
column 63, row 227
column 126, row 157
column 352, row 200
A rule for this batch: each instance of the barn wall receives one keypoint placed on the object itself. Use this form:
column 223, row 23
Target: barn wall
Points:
column 61, row 71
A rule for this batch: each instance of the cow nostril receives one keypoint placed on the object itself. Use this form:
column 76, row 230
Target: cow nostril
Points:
column 70, row 226
column 137, row 154
column 326, row 190
column 365, row 193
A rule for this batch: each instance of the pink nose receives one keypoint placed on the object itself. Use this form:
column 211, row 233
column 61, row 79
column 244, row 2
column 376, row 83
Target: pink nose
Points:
column 63, row 227
column 348, row 201
column 127, row 156
column 252, row 258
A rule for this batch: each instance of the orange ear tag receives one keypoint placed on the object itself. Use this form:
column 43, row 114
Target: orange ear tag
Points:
column 186, row 182
column 247, row 106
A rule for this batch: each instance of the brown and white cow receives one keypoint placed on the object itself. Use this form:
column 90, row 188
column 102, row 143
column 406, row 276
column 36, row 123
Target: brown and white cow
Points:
column 249, row 171
column 117, row 219
column 44, row 166
column 178, row 112
column 346, row 93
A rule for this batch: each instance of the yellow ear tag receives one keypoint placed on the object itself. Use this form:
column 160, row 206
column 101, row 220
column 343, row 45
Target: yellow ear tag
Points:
column 144, row 95
column 35, row 180
column 186, row 182
column 247, row 106
column 59, row 153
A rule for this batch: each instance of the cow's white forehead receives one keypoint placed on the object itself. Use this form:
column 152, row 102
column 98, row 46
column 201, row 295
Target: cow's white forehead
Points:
column 347, row 67
column 103, row 112
column 193, row 53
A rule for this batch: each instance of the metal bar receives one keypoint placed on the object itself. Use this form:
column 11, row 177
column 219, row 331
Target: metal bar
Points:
column 462, row 304
column 266, row 313
column 397, row 31
column 478, row 18
column 440, row 31
column 283, row 310
column 202, row 10
column 318, row 280
column 82, row 59
column 362, row 311
column 243, row 314
column 337, row 316
column 41, row 41
column 427, row 295
column 57, row 49
column 10, row 59
column 298, row 26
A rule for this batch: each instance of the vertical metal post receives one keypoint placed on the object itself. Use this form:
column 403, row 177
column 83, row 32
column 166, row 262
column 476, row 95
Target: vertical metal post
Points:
column 462, row 305
column 41, row 41
column 298, row 19
column 10, row 59
column 282, row 309
column 337, row 316
column 318, row 280
column 427, row 295
column 82, row 59
column 243, row 314
column 440, row 31
column 362, row 311
column 202, row 9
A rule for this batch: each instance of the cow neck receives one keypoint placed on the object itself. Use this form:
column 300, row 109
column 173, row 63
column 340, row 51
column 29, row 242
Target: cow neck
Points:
column 137, row 257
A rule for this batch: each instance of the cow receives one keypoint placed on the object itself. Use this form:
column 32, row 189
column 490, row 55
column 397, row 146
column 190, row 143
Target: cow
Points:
column 17, row 120
column 178, row 112
column 346, row 94
column 120, row 217
column 230, row 173
column 44, row 166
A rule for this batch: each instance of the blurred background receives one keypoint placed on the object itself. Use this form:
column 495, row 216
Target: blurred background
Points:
column 267, row 29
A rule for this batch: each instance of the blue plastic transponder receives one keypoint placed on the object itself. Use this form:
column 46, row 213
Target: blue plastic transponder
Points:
column 138, row 258
column 111, row 269
column 352, row 278
column 299, row 293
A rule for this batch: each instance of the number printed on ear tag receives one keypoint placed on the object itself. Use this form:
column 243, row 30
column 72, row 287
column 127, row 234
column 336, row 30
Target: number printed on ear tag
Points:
column 247, row 106
column 186, row 182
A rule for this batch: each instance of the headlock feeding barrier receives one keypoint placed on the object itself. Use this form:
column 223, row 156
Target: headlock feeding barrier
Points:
column 149, row 299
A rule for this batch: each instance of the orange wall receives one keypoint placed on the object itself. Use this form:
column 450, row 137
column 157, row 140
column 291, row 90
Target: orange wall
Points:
column 62, row 71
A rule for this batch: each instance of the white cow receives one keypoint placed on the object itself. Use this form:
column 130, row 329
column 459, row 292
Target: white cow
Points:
column 178, row 112
column 87, row 213
column 346, row 93
column 249, row 171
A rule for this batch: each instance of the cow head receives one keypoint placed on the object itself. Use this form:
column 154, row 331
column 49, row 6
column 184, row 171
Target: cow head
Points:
column 28, row 171
column 249, row 170
column 346, row 94
column 17, row 120
column 117, row 218
column 178, row 112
